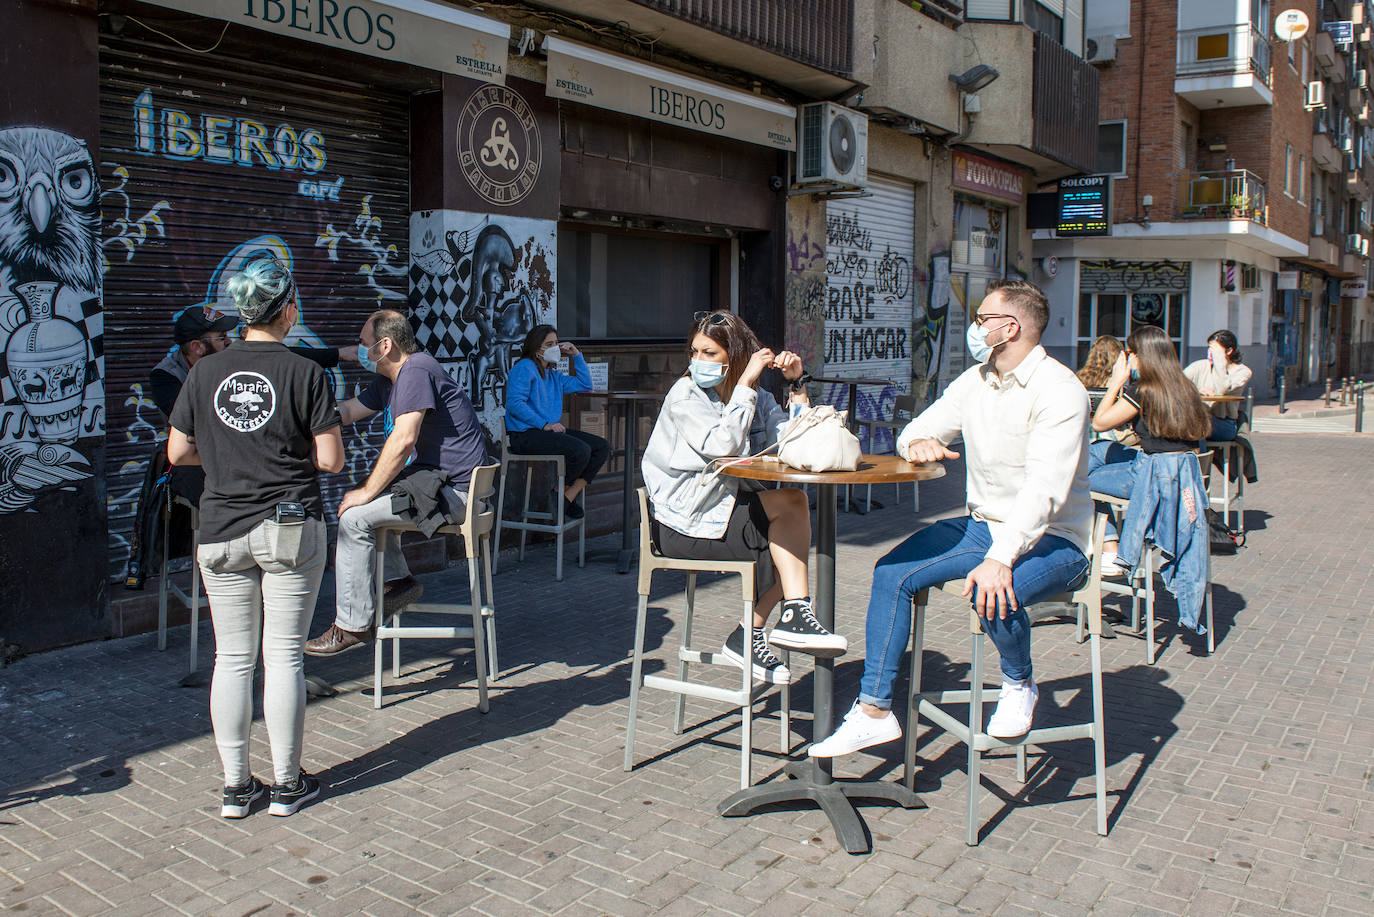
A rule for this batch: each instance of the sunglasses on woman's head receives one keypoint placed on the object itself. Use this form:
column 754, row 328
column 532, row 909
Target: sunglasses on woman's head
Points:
column 711, row 318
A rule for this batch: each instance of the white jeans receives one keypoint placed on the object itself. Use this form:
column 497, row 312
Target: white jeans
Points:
column 262, row 589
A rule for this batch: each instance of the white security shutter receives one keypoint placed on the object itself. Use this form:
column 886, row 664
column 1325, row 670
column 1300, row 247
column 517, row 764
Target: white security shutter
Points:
column 870, row 294
column 988, row 9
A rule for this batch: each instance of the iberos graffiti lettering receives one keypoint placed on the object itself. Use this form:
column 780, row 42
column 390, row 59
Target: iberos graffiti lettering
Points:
column 51, row 392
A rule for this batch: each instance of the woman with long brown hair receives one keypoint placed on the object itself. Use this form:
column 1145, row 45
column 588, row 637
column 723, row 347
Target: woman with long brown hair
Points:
column 1147, row 390
column 719, row 411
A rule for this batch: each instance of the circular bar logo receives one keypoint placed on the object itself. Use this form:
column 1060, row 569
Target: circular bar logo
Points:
column 245, row 401
column 498, row 145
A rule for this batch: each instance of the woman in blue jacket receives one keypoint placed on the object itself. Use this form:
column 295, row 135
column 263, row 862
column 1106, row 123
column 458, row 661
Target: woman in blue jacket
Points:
column 534, row 406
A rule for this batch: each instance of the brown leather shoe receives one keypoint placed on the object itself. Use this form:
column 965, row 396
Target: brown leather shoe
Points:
column 337, row 640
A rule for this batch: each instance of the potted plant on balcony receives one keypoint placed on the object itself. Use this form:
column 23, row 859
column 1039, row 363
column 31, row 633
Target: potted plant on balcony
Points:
column 1239, row 207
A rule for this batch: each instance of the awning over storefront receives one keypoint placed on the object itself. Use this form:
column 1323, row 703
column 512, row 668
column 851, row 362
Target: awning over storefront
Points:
column 409, row 31
column 593, row 77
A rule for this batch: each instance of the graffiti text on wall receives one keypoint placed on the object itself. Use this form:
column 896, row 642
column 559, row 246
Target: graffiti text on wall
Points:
column 177, row 134
column 868, row 289
column 51, row 388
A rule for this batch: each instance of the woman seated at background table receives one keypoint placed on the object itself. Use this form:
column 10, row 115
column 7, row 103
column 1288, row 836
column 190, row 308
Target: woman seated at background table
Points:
column 1094, row 374
column 1147, row 389
column 534, row 408
column 718, row 411
column 1221, row 373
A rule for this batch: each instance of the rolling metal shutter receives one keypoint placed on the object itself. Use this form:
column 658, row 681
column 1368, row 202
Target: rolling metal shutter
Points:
column 870, row 294
column 207, row 160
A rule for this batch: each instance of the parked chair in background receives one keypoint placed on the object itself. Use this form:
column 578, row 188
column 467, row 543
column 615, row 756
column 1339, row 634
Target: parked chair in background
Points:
column 903, row 410
column 166, row 586
column 551, row 520
column 1141, row 586
column 475, row 531
column 650, row 561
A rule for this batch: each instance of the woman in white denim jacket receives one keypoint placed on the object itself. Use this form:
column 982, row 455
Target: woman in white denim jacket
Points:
column 715, row 412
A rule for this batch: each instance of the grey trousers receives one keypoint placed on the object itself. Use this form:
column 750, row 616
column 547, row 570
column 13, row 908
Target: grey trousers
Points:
column 355, row 572
column 262, row 588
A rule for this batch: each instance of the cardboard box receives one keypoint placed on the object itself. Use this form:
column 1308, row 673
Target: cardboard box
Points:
column 593, row 422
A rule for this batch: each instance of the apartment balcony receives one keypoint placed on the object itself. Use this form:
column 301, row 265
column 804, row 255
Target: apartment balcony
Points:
column 1325, row 156
column 1236, row 194
column 818, row 33
column 1040, row 77
column 807, row 47
column 1330, row 61
column 1226, row 66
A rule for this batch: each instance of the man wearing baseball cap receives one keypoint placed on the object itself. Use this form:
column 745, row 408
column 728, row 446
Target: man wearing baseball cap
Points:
column 197, row 331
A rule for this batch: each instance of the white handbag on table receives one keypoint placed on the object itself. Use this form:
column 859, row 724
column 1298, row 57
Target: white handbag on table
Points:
column 817, row 439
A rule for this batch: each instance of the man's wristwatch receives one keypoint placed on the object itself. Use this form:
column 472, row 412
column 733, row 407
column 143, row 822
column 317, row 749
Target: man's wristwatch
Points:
column 800, row 382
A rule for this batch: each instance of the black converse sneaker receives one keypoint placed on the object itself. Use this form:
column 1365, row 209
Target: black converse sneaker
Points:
column 798, row 629
column 767, row 667
column 237, row 800
column 290, row 797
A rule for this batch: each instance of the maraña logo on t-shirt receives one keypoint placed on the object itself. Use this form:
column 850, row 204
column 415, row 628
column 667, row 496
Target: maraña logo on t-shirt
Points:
column 245, row 401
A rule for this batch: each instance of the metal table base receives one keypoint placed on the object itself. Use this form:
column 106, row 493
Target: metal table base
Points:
column 812, row 780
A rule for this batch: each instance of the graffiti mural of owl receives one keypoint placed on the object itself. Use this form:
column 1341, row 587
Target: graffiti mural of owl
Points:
column 49, row 208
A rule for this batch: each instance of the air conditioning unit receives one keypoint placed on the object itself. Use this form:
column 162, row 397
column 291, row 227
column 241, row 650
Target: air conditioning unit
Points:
column 1099, row 50
column 1316, row 95
column 833, row 146
column 1352, row 243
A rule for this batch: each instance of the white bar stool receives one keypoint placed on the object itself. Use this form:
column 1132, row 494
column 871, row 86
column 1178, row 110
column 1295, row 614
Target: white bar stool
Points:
column 475, row 531
column 744, row 696
column 970, row 730
column 552, row 521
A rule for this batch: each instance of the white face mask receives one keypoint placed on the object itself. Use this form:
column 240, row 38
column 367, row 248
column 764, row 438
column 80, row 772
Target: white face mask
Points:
column 551, row 353
column 977, row 339
column 707, row 374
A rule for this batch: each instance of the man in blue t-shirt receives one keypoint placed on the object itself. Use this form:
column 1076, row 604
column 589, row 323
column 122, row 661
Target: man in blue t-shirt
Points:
column 434, row 428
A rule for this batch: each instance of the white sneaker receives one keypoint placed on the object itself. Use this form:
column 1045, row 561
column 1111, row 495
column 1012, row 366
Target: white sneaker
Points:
column 1015, row 709
column 1111, row 565
column 857, row 730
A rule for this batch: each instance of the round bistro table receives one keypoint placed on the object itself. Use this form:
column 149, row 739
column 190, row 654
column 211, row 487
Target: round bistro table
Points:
column 813, row 782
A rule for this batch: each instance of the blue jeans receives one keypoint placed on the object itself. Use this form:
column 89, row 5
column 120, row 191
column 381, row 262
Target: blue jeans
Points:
column 1223, row 429
column 1111, row 470
column 947, row 550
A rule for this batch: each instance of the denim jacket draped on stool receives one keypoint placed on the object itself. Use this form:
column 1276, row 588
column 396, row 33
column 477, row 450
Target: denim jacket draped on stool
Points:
column 1167, row 508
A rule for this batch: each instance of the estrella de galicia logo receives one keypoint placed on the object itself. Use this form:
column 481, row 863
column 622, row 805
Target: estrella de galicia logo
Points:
column 245, row 401
column 498, row 144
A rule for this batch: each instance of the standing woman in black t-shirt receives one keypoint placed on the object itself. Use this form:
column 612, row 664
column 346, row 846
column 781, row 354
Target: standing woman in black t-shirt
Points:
column 1147, row 390
column 263, row 422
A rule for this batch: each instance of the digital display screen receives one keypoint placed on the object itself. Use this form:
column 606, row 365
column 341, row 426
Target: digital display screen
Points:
column 1085, row 206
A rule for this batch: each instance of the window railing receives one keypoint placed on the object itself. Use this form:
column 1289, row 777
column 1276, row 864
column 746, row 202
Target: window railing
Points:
column 1235, row 194
column 1238, row 48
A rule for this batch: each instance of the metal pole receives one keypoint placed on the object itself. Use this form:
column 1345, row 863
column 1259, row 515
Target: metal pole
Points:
column 1345, row 387
column 1359, row 409
column 1327, row 396
column 1283, row 392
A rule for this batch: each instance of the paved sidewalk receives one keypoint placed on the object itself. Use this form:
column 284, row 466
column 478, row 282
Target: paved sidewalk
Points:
column 1240, row 784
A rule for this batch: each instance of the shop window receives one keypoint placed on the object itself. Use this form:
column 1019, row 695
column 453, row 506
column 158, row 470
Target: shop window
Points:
column 1118, row 314
column 1249, row 278
column 1111, row 148
column 615, row 286
column 979, row 237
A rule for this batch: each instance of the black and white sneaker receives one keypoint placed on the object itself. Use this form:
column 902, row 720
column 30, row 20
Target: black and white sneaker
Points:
column 767, row 667
column 798, row 629
column 286, row 799
column 238, row 800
